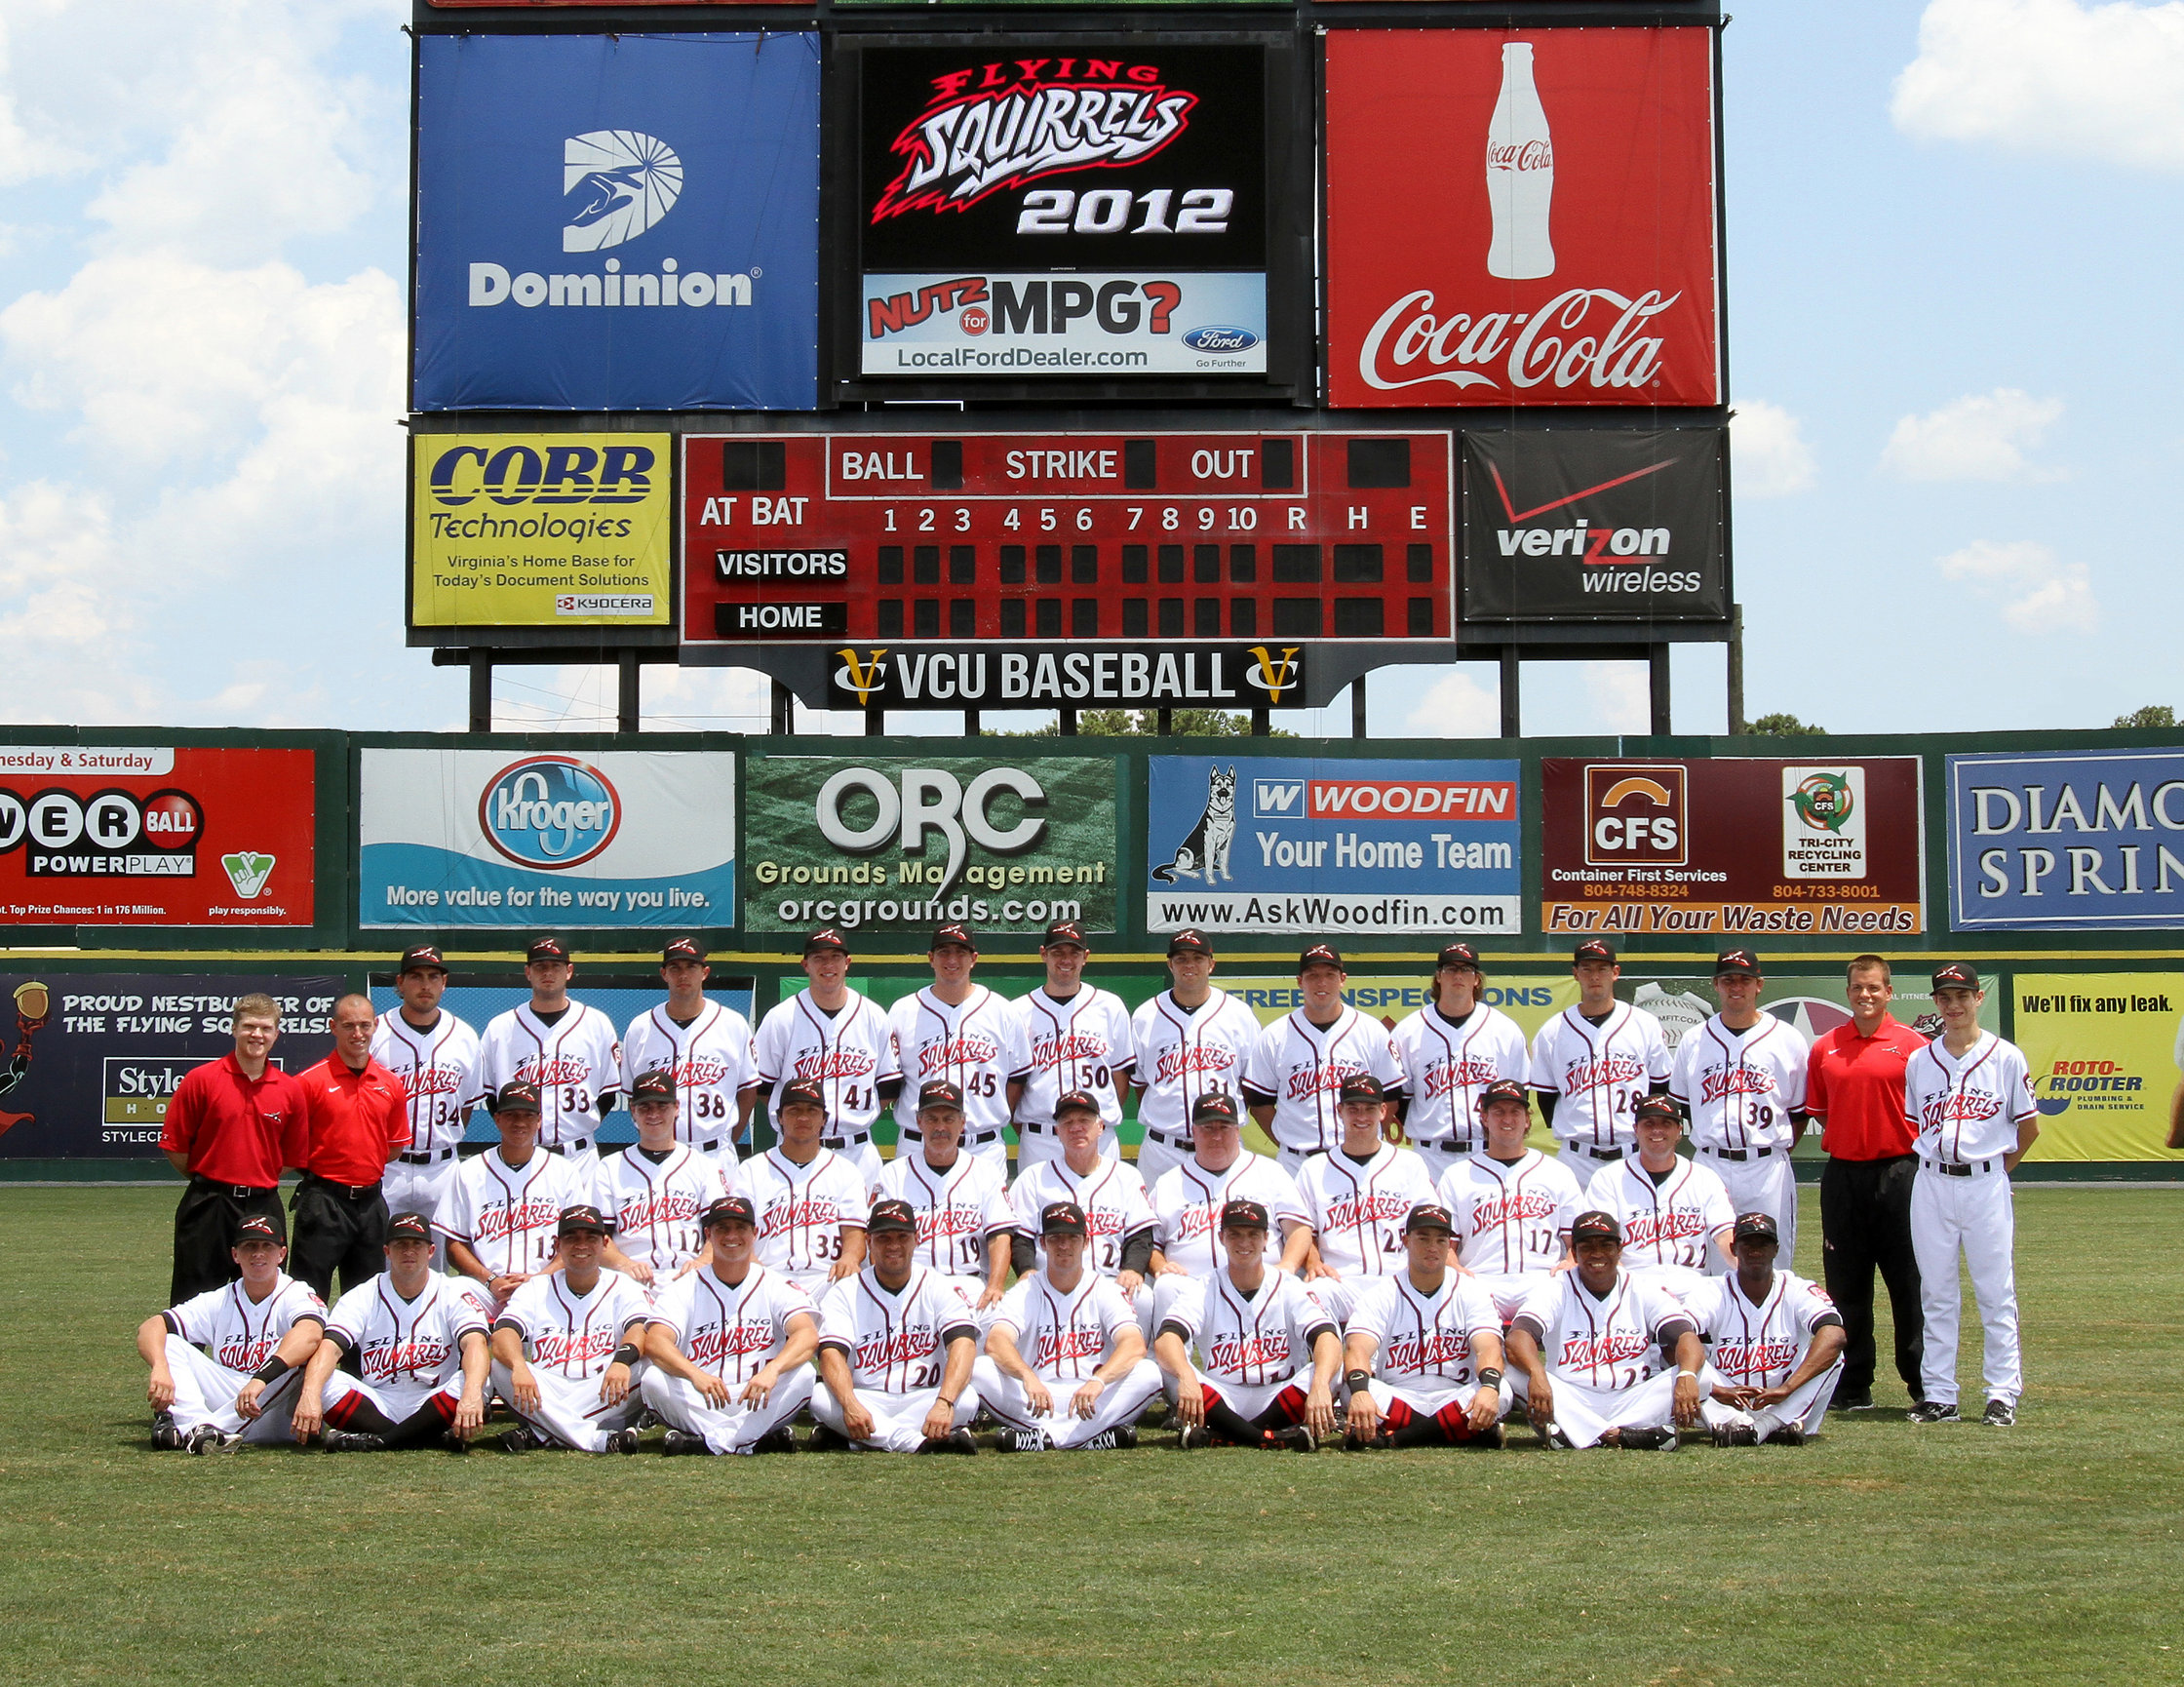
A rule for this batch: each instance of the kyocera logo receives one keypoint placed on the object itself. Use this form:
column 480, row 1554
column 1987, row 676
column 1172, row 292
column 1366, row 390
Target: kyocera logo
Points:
column 615, row 184
column 550, row 811
column 522, row 473
column 1635, row 817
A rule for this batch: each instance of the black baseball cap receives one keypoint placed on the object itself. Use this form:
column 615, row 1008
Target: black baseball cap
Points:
column 1362, row 1086
column 940, row 1093
column 1063, row 1218
column 1215, row 1107
column 1063, row 931
column 1457, row 955
column 891, row 1215
column 546, row 949
column 1955, row 976
column 1189, row 941
column 1593, row 949
column 409, row 1226
column 1504, row 1089
column 1243, row 1215
column 421, row 957
column 1733, row 960
column 1596, row 1222
column 519, row 1093
column 1429, row 1215
column 1075, row 1101
column 1657, row 1106
column 658, row 1084
column 262, row 1226
column 958, row 935
column 581, row 1218
column 1320, row 955
column 826, row 937
column 681, row 948
column 1755, row 1227
column 732, row 1209
column 801, row 1092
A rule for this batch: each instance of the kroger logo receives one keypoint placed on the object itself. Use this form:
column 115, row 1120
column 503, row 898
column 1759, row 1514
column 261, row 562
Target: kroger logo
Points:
column 615, row 183
column 1221, row 340
column 550, row 811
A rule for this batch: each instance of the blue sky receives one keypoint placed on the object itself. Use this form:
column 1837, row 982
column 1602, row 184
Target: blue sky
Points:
column 1951, row 251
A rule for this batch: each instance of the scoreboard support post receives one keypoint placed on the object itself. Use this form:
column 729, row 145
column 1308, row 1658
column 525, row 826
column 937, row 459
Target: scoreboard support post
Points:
column 1513, row 694
column 1657, row 687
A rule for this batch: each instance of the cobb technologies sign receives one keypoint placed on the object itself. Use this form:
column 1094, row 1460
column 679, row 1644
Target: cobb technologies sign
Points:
column 1076, row 206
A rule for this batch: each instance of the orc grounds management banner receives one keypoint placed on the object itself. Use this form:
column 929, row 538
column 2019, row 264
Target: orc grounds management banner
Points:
column 1319, row 848
column 506, row 840
column 617, row 223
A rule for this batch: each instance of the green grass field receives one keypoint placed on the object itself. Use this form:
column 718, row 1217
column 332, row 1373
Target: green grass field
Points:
column 1882, row 1554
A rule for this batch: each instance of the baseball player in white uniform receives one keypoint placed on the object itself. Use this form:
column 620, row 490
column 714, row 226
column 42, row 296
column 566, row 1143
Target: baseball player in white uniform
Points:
column 1256, row 1329
column 728, row 1347
column 567, row 1346
column 1192, row 1040
column 567, row 1049
column 830, row 1034
column 437, row 1058
column 1356, row 1198
column 1299, row 1063
column 1422, row 1354
column 965, row 1222
column 225, row 1363
column 962, row 1032
column 1672, row 1214
column 501, row 1222
column 1594, row 1063
column 1074, row 1036
column 1187, row 1201
column 706, row 1045
column 1774, row 1345
column 1450, row 1051
column 1065, row 1365
column 810, row 1199
column 1603, row 1359
column 1106, row 1186
column 1969, row 1095
column 421, row 1353
column 895, row 1350
column 1740, row 1078
column 655, row 1192
column 1511, row 1206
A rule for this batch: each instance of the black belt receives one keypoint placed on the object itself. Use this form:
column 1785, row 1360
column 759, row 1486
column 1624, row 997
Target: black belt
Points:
column 233, row 1191
column 713, row 1146
column 578, row 1145
column 1607, row 1154
column 347, row 1190
column 1741, row 1154
column 971, row 1140
column 1453, row 1145
column 1962, row 1167
column 426, row 1158
column 839, row 1143
column 1175, row 1139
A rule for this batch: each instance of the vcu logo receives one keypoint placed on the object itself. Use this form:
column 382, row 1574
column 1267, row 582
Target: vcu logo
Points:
column 1636, row 816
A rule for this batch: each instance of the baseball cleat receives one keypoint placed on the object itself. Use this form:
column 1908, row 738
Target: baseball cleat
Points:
column 1552, row 1437
column 165, row 1439
column 1734, row 1435
column 1999, row 1415
column 518, row 1440
column 205, row 1438
column 352, row 1441
column 1294, row 1438
column 674, row 1444
column 1193, row 1437
column 1936, row 1412
column 1788, row 1435
column 1103, row 1442
column 621, row 1440
column 826, row 1439
column 1853, row 1402
column 1654, row 1439
column 781, row 1438
column 454, row 1443
column 1125, row 1437
column 1021, row 1442
column 960, row 1441
column 1494, row 1435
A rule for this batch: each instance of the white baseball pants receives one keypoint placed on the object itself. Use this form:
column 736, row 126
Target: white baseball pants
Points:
column 1036, row 1146
column 897, row 1420
column 570, row 1409
column 1586, row 1414
column 1766, row 1186
column 734, row 1428
column 1338, row 1297
column 1678, row 1280
column 1582, row 1163
column 205, row 1393
column 1156, row 1160
column 421, row 1189
column 1250, row 1400
column 392, row 1403
column 1439, row 1157
column 1157, row 1300
column 1805, row 1408
column 1427, row 1402
column 1120, row 1403
column 1508, row 1291
column 1978, row 1216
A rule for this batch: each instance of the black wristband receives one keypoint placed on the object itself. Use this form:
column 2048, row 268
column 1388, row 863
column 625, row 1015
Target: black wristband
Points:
column 625, row 1354
column 1357, row 1380
column 1490, row 1377
column 273, row 1370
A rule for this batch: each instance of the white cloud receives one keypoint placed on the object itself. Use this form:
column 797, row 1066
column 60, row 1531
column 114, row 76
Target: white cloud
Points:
column 1621, row 695
column 1458, row 705
column 2104, row 82
column 1772, row 458
column 1980, row 437
column 2038, row 592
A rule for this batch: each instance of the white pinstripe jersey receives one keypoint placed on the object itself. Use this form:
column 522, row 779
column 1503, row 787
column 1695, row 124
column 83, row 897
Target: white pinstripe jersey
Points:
column 1424, row 1338
column 1253, row 1339
column 576, row 1062
column 1598, row 1073
column 1968, row 1109
column 1445, row 1066
column 1609, row 1341
column 1065, row 1336
column 570, row 1334
column 1082, row 1044
column 1513, row 1217
column 711, row 1057
column 406, row 1345
column 1187, row 1199
column 1357, row 1208
column 1112, row 1195
column 733, row 1330
column 896, row 1342
column 850, row 1053
column 1184, row 1052
column 1741, row 1086
column 658, row 1211
column 239, row 1332
column 1302, row 1066
column 977, row 1043
column 439, row 1071
column 510, row 1215
column 1759, row 1346
column 1668, row 1223
column 957, row 1209
column 803, row 1209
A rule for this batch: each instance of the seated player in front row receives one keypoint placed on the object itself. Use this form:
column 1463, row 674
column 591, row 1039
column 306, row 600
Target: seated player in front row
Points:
column 565, row 1346
column 1776, row 1342
column 1422, row 1353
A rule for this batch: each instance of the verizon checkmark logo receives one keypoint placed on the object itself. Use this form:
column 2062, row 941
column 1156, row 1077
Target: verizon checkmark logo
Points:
column 1513, row 514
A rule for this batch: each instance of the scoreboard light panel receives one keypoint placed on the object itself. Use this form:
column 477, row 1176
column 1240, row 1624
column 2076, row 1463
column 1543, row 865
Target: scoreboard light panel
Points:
column 1074, row 537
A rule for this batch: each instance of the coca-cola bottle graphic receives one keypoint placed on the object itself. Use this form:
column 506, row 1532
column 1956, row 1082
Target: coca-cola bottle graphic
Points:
column 1519, row 173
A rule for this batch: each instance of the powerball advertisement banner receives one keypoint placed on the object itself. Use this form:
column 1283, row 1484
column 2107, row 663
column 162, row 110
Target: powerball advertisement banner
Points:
column 495, row 839
column 1296, row 846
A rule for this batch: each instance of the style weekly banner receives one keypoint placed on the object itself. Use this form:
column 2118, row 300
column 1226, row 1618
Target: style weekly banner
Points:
column 541, row 530
column 902, row 844
column 618, row 221
column 88, row 1061
column 2103, row 1051
column 1281, row 844
column 2067, row 842
column 1737, row 846
column 1521, row 218
column 166, row 834
column 497, row 840
column 1075, row 208
column 1594, row 525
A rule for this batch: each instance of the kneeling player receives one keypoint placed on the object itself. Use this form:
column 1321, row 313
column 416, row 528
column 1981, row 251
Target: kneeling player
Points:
column 565, row 1345
column 728, row 1346
column 1255, row 1329
column 1584, row 1351
column 1064, row 1327
column 222, row 1360
column 422, row 1346
column 1775, row 1340
column 1356, row 1197
column 895, row 1350
column 1422, row 1354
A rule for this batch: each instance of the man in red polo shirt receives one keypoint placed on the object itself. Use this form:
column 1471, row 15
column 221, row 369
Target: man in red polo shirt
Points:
column 1853, row 1091
column 231, row 1125
column 358, row 1116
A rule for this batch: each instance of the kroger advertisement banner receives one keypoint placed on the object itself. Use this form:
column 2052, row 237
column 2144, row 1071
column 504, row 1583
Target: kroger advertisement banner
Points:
column 1325, row 847
column 497, row 840
column 1521, row 216
column 900, row 844
column 2070, row 842
column 89, row 1060
column 2104, row 1051
column 618, row 221
column 166, row 834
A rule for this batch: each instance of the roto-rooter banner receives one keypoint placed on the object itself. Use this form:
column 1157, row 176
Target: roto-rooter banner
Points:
column 538, row 841
column 1521, row 218
column 1733, row 848
column 1326, row 847
column 1082, row 207
column 2105, row 1051
column 157, row 835
column 541, row 530
column 89, row 1060
column 2075, row 840
column 903, row 843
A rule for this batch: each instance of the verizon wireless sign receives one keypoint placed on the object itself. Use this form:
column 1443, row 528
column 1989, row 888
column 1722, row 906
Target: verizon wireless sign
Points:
column 1521, row 216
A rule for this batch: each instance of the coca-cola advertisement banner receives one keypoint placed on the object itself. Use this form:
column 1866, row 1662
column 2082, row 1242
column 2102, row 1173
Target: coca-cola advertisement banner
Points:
column 1592, row 524
column 1072, row 208
column 1521, row 218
